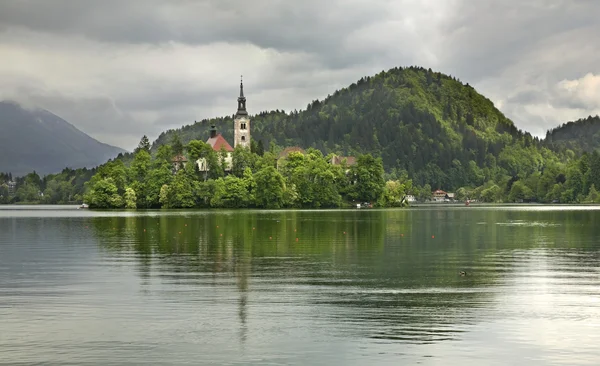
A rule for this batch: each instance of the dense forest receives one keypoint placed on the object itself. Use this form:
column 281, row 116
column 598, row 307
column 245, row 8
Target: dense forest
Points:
column 579, row 136
column 301, row 180
column 427, row 130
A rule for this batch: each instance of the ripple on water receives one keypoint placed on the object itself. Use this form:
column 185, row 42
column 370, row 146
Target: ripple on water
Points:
column 110, row 294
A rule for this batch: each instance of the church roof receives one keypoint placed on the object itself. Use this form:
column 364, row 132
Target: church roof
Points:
column 218, row 142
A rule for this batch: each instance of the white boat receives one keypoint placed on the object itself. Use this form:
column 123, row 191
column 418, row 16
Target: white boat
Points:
column 83, row 205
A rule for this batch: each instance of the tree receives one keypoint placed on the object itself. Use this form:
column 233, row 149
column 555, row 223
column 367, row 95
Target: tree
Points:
column 519, row 192
column 593, row 196
column 241, row 159
column 164, row 196
column 491, row 194
column 594, row 170
column 176, row 145
column 159, row 176
column 232, row 192
column 144, row 145
column 4, row 193
column 130, row 198
column 368, row 177
column 260, row 148
column 425, row 193
column 139, row 172
column 180, row 192
column 270, row 188
column 393, row 194
column 104, row 194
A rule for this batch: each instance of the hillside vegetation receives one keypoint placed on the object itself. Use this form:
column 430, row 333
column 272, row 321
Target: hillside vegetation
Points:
column 579, row 136
column 414, row 131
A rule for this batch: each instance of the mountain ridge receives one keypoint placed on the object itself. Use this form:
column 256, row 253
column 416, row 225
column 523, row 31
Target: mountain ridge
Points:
column 35, row 139
column 582, row 135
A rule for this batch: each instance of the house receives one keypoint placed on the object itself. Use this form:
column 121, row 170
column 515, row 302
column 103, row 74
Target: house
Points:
column 179, row 162
column 410, row 198
column 218, row 144
column 439, row 196
column 344, row 161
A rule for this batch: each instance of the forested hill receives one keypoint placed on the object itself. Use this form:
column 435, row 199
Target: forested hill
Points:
column 579, row 136
column 429, row 124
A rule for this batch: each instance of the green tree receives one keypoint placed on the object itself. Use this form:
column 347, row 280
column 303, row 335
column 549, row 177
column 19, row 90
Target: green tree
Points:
column 164, row 196
column 176, row 145
column 270, row 188
column 160, row 175
column 593, row 196
column 4, row 198
column 519, row 191
column 241, row 159
column 139, row 173
column 144, row 145
column 491, row 194
column 104, row 194
column 181, row 192
column 393, row 194
column 368, row 179
column 130, row 198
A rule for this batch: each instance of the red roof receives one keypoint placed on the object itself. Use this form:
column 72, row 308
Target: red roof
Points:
column 218, row 142
column 440, row 192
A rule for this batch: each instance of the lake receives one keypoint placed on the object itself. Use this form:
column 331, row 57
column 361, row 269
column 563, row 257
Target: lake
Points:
column 327, row 287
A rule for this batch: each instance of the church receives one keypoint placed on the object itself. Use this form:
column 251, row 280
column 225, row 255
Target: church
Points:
column 241, row 134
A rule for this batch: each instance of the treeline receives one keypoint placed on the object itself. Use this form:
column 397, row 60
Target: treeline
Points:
column 252, row 180
column 66, row 187
column 579, row 136
column 526, row 175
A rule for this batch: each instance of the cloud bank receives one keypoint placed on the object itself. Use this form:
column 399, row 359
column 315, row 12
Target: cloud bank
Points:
column 119, row 70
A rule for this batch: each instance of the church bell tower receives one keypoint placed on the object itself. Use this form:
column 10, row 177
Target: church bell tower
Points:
column 241, row 127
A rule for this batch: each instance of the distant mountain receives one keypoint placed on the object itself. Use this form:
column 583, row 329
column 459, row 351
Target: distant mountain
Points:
column 580, row 136
column 35, row 139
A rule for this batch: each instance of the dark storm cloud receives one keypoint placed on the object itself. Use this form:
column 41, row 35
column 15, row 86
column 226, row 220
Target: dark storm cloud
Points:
column 307, row 25
column 142, row 66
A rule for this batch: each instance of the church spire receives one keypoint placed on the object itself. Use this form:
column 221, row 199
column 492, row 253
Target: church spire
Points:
column 241, row 101
column 242, row 86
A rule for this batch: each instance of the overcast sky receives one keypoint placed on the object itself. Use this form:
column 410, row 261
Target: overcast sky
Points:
column 121, row 69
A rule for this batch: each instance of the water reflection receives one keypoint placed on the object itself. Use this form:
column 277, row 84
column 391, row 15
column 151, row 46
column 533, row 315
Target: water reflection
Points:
column 382, row 274
column 301, row 287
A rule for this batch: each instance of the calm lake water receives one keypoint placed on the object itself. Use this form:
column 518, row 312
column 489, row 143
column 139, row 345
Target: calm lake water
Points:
column 354, row 287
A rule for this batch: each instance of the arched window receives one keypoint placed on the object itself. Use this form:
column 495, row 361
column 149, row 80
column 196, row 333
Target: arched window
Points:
column 243, row 126
column 243, row 138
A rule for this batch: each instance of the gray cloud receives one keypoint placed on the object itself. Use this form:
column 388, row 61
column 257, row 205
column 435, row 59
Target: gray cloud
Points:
column 119, row 70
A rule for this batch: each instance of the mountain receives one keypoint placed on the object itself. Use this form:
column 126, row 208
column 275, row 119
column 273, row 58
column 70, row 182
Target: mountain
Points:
column 579, row 136
column 428, row 124
column 39, row 140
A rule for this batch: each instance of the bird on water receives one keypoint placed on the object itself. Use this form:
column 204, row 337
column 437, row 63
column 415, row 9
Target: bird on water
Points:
column 463, row 273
